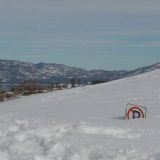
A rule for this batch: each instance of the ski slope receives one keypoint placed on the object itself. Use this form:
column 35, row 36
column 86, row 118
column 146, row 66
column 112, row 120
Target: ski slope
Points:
column 84, row 123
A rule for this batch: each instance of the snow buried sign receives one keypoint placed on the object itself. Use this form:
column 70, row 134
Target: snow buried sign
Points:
column 134, row 111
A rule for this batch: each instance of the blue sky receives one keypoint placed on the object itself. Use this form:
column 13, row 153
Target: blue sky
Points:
column 103, row 34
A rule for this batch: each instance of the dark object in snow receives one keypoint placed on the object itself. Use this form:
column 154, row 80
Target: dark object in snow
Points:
column 136, row 114
column 135, row 111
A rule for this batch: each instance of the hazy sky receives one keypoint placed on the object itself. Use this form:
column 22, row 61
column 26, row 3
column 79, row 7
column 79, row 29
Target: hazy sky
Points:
column 93, row 34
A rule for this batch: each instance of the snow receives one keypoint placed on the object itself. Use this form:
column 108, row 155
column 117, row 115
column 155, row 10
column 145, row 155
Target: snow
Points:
column 85, row 123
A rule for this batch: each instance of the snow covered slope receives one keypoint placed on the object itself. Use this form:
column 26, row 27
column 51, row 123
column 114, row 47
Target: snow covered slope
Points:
column 84, row 123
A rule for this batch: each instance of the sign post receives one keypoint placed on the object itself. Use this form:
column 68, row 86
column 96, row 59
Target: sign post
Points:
column 135, row 111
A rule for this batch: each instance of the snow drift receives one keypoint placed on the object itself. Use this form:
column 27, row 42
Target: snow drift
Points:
column 84, row 123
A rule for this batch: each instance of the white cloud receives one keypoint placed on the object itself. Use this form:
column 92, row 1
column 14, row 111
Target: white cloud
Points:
column 122, row 6
column 152, row 44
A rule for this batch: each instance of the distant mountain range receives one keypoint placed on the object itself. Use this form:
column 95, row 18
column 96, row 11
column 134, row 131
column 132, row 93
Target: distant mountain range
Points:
column 14, row 72
column 142, row 70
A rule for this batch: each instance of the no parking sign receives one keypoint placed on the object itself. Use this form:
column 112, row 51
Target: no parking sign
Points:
column 135, row 111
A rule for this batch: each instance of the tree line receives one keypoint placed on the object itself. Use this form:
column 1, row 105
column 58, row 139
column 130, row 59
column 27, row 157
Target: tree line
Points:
column 30, row 87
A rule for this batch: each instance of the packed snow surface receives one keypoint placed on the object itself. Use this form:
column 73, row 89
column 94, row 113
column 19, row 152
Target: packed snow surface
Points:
column 84, row 123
